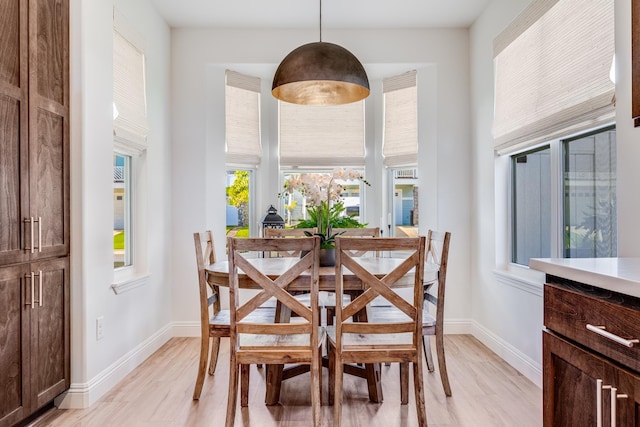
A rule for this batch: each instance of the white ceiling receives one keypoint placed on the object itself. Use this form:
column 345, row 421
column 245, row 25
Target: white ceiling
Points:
column 335, row 13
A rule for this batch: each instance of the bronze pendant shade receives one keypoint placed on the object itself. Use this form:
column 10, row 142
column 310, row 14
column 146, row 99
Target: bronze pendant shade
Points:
column 320, row 73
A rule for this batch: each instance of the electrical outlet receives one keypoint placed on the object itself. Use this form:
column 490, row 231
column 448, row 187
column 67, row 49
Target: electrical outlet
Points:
column 99, row 328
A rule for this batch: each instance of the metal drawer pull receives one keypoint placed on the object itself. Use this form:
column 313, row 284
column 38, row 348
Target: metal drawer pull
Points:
column 39, row 221
column 30, row 221
column 31, row 277
column 614, row 392
column 600, row 330
column 40, row 296
column 33, row 289
column 598, row 403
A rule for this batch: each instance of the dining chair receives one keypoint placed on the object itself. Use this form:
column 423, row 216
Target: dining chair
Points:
column 287, row 232
column 214, row 321
column 437, row 255
column 354, row 341
column 274, row 343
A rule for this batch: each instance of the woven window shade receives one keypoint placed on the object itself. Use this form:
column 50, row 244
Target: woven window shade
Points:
column 129, row 90
column 552, row 72
column 321, row 136
column 242, row 119
column 400, row 146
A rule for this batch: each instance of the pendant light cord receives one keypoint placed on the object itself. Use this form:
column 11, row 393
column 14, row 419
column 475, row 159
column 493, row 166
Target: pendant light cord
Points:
column 320, row 20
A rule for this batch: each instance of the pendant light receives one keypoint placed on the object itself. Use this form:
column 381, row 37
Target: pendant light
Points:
column 320, row 73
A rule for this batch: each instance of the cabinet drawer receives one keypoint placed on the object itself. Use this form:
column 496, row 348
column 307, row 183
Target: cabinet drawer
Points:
column 568, row 310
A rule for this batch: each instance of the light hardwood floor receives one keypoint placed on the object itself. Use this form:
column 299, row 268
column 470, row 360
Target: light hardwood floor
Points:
column 486, row 392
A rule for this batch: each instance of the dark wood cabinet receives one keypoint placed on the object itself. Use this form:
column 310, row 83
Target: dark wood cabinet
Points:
column 34, row 205
column 590, row 379
column 34, row 130
column 572, row 379
column 34, row 332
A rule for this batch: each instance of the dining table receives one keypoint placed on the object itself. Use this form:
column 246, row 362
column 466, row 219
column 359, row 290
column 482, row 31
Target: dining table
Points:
column 218, row 274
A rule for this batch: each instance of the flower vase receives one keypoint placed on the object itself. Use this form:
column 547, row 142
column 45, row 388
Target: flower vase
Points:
column 327, row 257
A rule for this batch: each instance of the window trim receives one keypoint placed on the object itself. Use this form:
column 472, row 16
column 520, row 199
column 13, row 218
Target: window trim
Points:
column 136, row 274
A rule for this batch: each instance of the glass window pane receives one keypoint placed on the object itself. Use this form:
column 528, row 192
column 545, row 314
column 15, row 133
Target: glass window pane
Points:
column 238, row 191
column 121, row 210
column 404, row 213
column 531, row 205
column 590, row 213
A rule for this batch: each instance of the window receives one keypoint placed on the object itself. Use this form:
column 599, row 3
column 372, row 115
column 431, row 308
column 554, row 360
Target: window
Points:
column 400, row 151
column 585, row 184
column 130, row 129
column 294, row 205
column 122, row 231
column 239, row 207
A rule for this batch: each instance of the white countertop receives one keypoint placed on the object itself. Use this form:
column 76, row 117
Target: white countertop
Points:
column 620, row 275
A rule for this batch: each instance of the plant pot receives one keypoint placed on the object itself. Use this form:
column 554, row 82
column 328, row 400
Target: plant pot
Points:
column 327, row 257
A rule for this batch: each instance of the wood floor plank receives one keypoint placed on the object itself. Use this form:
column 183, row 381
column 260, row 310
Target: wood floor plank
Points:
column 486, row 392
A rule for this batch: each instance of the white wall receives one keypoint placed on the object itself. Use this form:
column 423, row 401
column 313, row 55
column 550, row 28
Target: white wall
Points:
column 507, row 305
column 628, row 139
column 507, row 312
column 133, row 321
column 199, row 58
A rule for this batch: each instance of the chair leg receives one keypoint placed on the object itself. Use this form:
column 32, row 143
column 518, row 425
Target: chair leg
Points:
column 215, row 349
column 418, row 386
column 337, row 402
column 426, row 346
column 316, row 384
column 332, row 373
column 202, row 366
column 442, row 364
column 233, row 391
column 244, row 385
column 404, row 383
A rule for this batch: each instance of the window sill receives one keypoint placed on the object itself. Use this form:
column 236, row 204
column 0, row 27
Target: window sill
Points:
column 521, row 278
column 130, row 284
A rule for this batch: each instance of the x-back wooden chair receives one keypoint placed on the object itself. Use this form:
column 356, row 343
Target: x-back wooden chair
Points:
column 274, row 343
column 287, row 232
column 437, row 255
column 364, row 342
column 214, row 321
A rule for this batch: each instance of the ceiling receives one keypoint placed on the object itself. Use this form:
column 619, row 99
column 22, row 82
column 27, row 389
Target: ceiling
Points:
column 335, row 13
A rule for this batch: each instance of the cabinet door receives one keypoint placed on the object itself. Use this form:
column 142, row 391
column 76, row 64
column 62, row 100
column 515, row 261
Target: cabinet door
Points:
column 570, row 387
column 49, row 125
column 15, row 293
column 50, row 331
column 14, row 191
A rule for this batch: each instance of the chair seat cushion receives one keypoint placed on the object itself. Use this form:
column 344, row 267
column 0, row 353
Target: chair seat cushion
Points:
column 392, row 314
column 295, row 340
column 261, row 315
column 370, row 339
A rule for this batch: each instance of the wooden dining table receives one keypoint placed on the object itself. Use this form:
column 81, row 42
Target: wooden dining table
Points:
column 218, row 274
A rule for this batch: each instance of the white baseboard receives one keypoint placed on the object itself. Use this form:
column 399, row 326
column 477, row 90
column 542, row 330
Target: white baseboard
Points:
column 514, row 357
column 186, row 329
column 457, row 326
column 83, row 395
